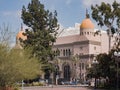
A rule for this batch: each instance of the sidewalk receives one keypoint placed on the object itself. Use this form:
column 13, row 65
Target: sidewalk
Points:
column 59, row 87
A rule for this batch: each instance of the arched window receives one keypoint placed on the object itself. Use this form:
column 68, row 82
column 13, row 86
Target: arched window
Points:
column 54, row 52
column 88, row 33
column 66, row 52
column 63, row 52
column 69, row 52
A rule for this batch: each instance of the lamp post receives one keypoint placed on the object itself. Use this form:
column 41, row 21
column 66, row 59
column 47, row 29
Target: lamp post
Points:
column 57, row 70
column 95, row 62
column 117, row 55
column 56, row 75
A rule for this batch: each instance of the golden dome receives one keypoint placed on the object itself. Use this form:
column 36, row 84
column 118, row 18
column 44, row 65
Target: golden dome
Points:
column 87, row 24
column 20, row 35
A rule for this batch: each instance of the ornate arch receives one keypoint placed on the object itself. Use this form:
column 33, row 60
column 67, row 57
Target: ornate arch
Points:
column 66, row 71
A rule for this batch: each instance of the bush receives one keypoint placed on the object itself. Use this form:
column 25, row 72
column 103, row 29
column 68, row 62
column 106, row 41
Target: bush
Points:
column 16, row 65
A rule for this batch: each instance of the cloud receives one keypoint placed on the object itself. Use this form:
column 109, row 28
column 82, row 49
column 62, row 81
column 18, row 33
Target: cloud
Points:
column 88, row 3
column 11, row 13
column 68, row 31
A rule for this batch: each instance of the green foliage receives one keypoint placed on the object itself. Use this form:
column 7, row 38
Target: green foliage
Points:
column 16, row 65
column 106, row 68
column 109, row 16
column 42, row 35
column 94, row 71
column 106, row 14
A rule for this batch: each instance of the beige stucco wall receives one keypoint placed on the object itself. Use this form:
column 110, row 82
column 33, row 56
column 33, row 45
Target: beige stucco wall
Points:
column 86, row 45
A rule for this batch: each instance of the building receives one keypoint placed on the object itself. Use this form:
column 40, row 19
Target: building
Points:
column 18, row 37
column 76, row 50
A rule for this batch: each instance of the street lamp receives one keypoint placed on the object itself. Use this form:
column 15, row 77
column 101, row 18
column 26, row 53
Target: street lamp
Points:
column 56, row 75
column 117, row 55
column 95, row 62
column 57, row 70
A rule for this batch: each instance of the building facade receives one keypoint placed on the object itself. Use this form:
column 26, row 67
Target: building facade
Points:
column 76, row 49
column 76, row 52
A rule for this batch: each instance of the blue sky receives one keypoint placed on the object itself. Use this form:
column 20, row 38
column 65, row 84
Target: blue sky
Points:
column 69, row 11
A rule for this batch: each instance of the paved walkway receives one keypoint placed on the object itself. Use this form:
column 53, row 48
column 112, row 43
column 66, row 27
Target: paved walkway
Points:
column 57, row 88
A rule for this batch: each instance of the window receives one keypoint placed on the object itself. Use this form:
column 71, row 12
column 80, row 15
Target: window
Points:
column 66, row 52
column 69, row 52
column 88, row 33
column 63, row 52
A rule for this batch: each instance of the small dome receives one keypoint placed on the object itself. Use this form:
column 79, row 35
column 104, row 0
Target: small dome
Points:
column 87, row 24
column 20, row 35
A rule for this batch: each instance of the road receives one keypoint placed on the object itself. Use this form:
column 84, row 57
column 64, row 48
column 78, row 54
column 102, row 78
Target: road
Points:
column 57, row 88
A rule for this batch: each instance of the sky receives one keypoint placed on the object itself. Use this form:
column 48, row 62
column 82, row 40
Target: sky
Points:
column 69, row 11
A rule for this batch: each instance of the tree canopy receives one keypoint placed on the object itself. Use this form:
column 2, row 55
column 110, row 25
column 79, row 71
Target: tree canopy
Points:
column 109, row 16
column 106, row 68
column 42, row 35
column 16, row 65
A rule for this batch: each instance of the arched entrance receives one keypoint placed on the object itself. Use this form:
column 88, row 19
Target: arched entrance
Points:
column 47, row 74
column 67, row 72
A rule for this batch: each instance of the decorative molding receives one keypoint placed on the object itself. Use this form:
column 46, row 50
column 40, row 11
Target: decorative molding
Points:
column 78, row 43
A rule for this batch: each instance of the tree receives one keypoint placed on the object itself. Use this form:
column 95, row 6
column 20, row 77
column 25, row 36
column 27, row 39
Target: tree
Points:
column 42, row 35
column 5, row 35
column 75, row 60
column 109, row 16
column 106, row 68
column 15, row 65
